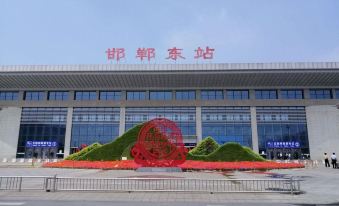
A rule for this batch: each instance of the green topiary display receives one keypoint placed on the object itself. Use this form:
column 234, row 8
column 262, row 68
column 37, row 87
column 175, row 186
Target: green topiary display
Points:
column 206, row 150
column 205, row 147
column 127, row 152
column 78, row 155
column 113, row 150
column 254, row 154
column 229, row 152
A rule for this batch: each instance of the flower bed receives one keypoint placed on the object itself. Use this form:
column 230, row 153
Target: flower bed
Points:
column 188, row 165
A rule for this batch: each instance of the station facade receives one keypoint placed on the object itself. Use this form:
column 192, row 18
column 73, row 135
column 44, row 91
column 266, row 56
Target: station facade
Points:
column 280, row 110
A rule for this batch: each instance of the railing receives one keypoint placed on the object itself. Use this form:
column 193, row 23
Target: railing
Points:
column 306, row 163
column 20, row 183
column 28, row 160
column 54, row 184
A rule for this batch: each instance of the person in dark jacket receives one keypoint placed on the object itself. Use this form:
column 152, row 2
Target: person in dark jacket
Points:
column 327, row 162
column 334, row 160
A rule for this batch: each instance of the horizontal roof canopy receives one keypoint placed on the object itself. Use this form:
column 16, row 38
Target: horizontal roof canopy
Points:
column 125, row 76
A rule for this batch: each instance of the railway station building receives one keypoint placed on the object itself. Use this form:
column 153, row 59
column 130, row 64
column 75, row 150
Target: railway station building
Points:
column 281, row 110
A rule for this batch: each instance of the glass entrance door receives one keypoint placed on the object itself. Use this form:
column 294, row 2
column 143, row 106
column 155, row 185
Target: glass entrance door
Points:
column 283, row 154
column 41, row 153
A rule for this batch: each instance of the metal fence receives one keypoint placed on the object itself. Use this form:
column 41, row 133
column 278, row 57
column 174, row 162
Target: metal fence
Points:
column 20, row 183
column 306, row 163
column 54, row 184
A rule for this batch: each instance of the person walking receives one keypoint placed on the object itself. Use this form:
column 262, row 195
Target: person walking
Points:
column 327, row 162
column 334, row 160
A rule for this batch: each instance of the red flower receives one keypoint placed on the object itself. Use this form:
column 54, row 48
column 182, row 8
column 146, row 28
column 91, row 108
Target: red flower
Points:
column 189, row 164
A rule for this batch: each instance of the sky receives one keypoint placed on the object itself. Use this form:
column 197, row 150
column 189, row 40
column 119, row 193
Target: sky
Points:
column 38, row 32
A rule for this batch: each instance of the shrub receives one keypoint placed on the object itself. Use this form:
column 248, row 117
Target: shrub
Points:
column 127, row 152
column 205, row 147
column 207, row 150
column 114, row 150
column 229, row 152
column 254, row 154
column 78, row 155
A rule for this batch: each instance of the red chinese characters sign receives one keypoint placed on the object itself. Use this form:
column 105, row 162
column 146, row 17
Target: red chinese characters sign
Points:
column 115, row 54
column 145, row 53
column 174, row 53
column 159, row 144
column 204, row 53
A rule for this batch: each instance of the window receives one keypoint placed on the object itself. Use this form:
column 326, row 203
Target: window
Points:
column 160, row 95
column 8, row 96
column 184, row 117
column 337, row 93
column 94, row 124
column 227, row 124
column 212, row 94
column 237, row 94
column 136, row 95
column 85, row 95
column 34, row 96
column 185, row 95
column 282, row 125
column 41, row 124
column 58, row 95
column 110, row 95
column 266, row 94
column 320, row 94
column 292, row 94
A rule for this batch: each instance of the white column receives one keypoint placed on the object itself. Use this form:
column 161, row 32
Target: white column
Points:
column 198, row 123
column 9, row 131
column 68, row 131
column 122, row 121
column 323, row 130
column 334, row 96
column 255, row 139
column 307, row 94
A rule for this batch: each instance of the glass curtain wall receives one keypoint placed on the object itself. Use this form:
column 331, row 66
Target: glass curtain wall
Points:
column 42, row 125
column 92, row 125
column 184, row 117
column 282, row 125
column 227, row 124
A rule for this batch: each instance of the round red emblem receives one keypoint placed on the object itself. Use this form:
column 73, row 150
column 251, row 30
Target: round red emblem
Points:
column 159, row 144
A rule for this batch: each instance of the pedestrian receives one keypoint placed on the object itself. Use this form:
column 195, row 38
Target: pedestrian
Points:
column 327, row 163
column 334, row 160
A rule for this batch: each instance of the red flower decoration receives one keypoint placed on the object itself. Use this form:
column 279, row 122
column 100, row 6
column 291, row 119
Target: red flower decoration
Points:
column 189, row 165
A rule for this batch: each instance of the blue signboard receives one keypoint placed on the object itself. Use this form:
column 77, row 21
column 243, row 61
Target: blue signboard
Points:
column 274, row 144
column 190, row 144
column 41, row 144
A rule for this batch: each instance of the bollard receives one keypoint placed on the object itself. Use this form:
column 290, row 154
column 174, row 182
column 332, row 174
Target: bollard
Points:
column 291, row 185
column 20, row 184
column 54, row 183
column 46, row 184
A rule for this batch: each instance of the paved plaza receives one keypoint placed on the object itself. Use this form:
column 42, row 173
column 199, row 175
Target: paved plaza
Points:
column 319, row 186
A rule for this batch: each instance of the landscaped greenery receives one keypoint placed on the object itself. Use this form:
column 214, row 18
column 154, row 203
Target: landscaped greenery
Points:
column 113, row 150
column 254, row 154
column 229, row 152
column 206, row 150
column 78, row 155
column 205, row 147
column 127, row 151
